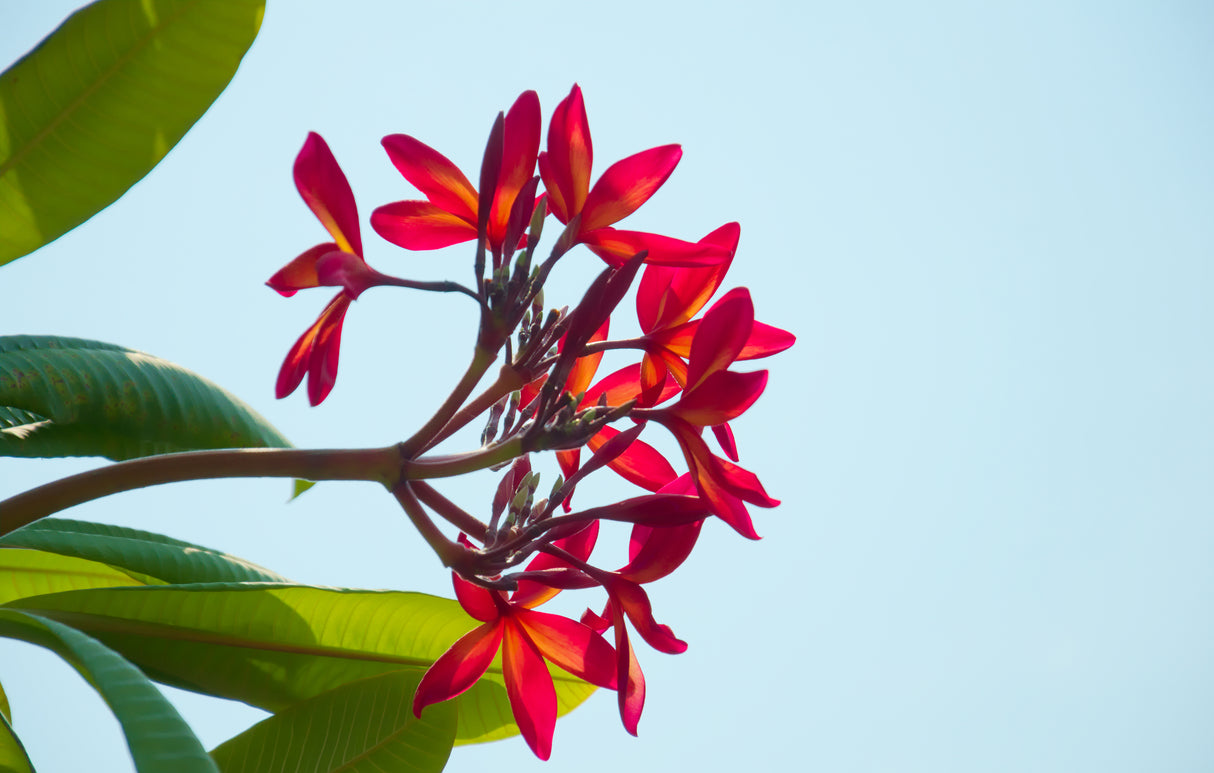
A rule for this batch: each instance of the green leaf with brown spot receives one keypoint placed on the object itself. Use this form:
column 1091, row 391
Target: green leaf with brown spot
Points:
column 149, row 557
column 88, row 398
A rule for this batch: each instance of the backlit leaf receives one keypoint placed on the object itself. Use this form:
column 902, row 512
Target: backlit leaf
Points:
column 159, row 740
column 13, row 758
column 273, row 645
column 365, row 726
column 101, row 100
column 35, row 573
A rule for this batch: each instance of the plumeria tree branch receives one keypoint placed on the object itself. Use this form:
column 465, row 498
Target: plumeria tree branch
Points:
column 379, row 465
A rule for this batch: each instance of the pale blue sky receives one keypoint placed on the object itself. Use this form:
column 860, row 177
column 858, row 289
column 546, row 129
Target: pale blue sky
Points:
column 990, row 227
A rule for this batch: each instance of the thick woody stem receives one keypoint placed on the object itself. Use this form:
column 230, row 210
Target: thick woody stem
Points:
column 380, row 465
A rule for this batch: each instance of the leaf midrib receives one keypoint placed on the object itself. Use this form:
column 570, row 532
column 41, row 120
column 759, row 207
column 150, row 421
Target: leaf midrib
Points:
column 98, row 623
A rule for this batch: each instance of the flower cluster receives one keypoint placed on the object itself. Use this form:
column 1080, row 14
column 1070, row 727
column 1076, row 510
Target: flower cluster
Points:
column 548, row 396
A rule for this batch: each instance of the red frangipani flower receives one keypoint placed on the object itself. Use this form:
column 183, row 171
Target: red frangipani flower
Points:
column 450, row 213
column 713, row 396
column 327, row 193
column 667, row 299
column 620, row 191
column 526, row 638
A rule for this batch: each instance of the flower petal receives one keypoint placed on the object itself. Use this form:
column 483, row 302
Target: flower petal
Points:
column 300, row 273
column 653, row 378
column 616, row 247
column 720, row 397
column 627, row 184
column 434, row 175
column 458, row 668
column 623, row 385
column 655, row 552
column 725, row 485
column 521, row 145
column 322, row 368
column 419, row 225
column 721, row 335
column 635, row 603
column 303, row 356
column 765, row 341
column 572, row 646
column 631, row 680
column 327, row 193
column 529, row 687
column 640, row 463
column 565, row 167
column 653, row 510
column 476, row 600
column 668, row 296
column 725, row 439
column 584, row 368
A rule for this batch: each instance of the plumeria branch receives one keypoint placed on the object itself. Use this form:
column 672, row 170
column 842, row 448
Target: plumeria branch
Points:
column 379, row 465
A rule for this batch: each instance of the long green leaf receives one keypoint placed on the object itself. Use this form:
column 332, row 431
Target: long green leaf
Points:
column 99, row 399
column 159, row 740
column 100, row 101
column 274, row 645
column 13, row 758
column 365, row 726
column 35, row 573
column 142, row 554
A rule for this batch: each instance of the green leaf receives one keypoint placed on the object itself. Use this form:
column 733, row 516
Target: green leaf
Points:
column 141, row 554
column 100, row 101
column 274, row 645
column 105, row 400
column 159, row 740
column 365, row 726
column 13, row 757
column 35, row 573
